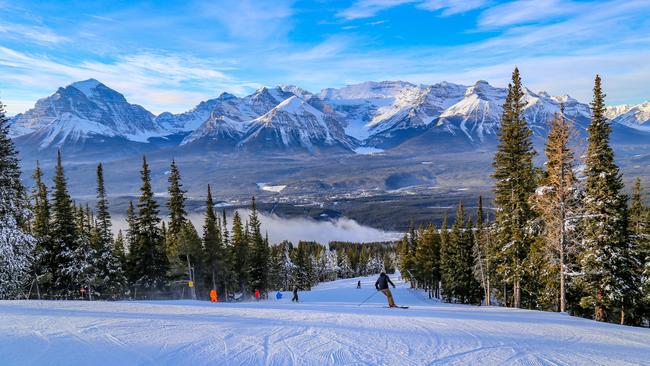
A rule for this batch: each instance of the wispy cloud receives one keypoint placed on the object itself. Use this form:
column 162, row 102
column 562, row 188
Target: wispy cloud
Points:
column 160, row 81
column 451, row 7
column 369, row 8
column 31, row 33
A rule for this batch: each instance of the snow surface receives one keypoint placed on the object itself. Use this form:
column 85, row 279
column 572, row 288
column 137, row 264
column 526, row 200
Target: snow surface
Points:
column 271, row 188
column 326, row 328
column 365, row 150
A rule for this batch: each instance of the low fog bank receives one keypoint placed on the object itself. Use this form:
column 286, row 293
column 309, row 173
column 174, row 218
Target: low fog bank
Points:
column 297, row 228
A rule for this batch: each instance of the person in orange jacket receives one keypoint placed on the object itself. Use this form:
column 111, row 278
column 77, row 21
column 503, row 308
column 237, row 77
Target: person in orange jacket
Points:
column 213, row 295
column 257, row 294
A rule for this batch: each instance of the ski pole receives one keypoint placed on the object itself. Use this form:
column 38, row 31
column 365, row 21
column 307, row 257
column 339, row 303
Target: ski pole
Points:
column 368, row 298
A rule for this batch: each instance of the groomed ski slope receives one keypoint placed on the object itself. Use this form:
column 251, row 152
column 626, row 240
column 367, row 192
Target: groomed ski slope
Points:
column 327, row 328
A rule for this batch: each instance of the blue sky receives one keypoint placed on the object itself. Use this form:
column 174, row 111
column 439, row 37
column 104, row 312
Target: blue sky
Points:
column 169, row 55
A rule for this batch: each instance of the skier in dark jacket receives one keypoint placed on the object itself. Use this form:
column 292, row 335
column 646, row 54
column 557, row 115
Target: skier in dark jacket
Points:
column 382, row 285
column 295, row 294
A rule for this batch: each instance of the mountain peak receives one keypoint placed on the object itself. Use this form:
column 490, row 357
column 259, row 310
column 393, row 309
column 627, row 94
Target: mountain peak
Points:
column 86, row 86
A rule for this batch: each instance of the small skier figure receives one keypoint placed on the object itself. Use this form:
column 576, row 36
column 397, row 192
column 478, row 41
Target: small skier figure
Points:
column 257, row 294
column 278, row 296
column 213, row 295
column 382, row 285
column 358, row 284
column 295, row 294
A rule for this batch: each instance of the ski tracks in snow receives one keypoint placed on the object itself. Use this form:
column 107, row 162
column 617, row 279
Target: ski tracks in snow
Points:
column 328, row 328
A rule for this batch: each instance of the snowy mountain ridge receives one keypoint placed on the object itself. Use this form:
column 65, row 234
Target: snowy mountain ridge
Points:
column 372, row 114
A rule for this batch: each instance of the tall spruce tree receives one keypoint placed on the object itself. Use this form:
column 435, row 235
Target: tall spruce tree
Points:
column 639, row 231
column 605, row 254
column 40, row 229
column 482, row 265
column 176, row 203
column 64, row 235
column 147, row 259
column 240, row 254
column 214, row 253
column 458, row 279
column 259, row 252
column 515, row 183
column 110, row 273
column 16, row 245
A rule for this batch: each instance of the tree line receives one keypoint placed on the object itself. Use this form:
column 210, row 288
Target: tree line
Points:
column 564, row 237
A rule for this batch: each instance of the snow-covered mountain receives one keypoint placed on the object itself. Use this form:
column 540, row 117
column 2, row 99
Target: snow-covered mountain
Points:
column 371, row 114
column 635, row 116
column 84, row 110
column 294, row 123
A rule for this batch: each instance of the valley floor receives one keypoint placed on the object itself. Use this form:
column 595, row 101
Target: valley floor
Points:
column 326, row 328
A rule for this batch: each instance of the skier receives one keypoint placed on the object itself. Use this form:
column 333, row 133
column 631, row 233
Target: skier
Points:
column 213, row 295
column 278, row 296
column 382, row 285
column 257, row 294
column 358, row 284
column 295, row 294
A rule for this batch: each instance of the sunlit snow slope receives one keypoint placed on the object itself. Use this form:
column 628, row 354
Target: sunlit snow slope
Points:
column 326, row 328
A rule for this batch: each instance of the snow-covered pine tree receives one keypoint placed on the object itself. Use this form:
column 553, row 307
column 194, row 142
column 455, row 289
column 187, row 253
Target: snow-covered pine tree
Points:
column 82, row 257
column 515, row 183
column 556, row 200
column 119, row 251
column 111, row 280
column 259, row 252
column 65, row 236
column 214, row 251
column 345, row 268
column 16, row 245
column 639, row 231
column 40, row 229
column 604, row 260
column 147, row 259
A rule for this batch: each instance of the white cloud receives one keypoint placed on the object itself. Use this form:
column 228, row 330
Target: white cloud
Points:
column 159, row 81
column 31, row 33
column 451, row 7
column 369, row 8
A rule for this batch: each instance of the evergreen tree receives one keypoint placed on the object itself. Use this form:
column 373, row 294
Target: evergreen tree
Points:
column 16, row 245
column 82, row 258
column 176, row 203
column 214, row 251
column 175, row 248
column 515, row 183
column 64, row 235
column 147, row 259
column 110, row 273
column 639, row 230
column 119, row 250
column 240, row 254
column 427, row 258
column 605, row 254
column 458, row 278
column 40, row 229
column 482, row 265
column 259, row 252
